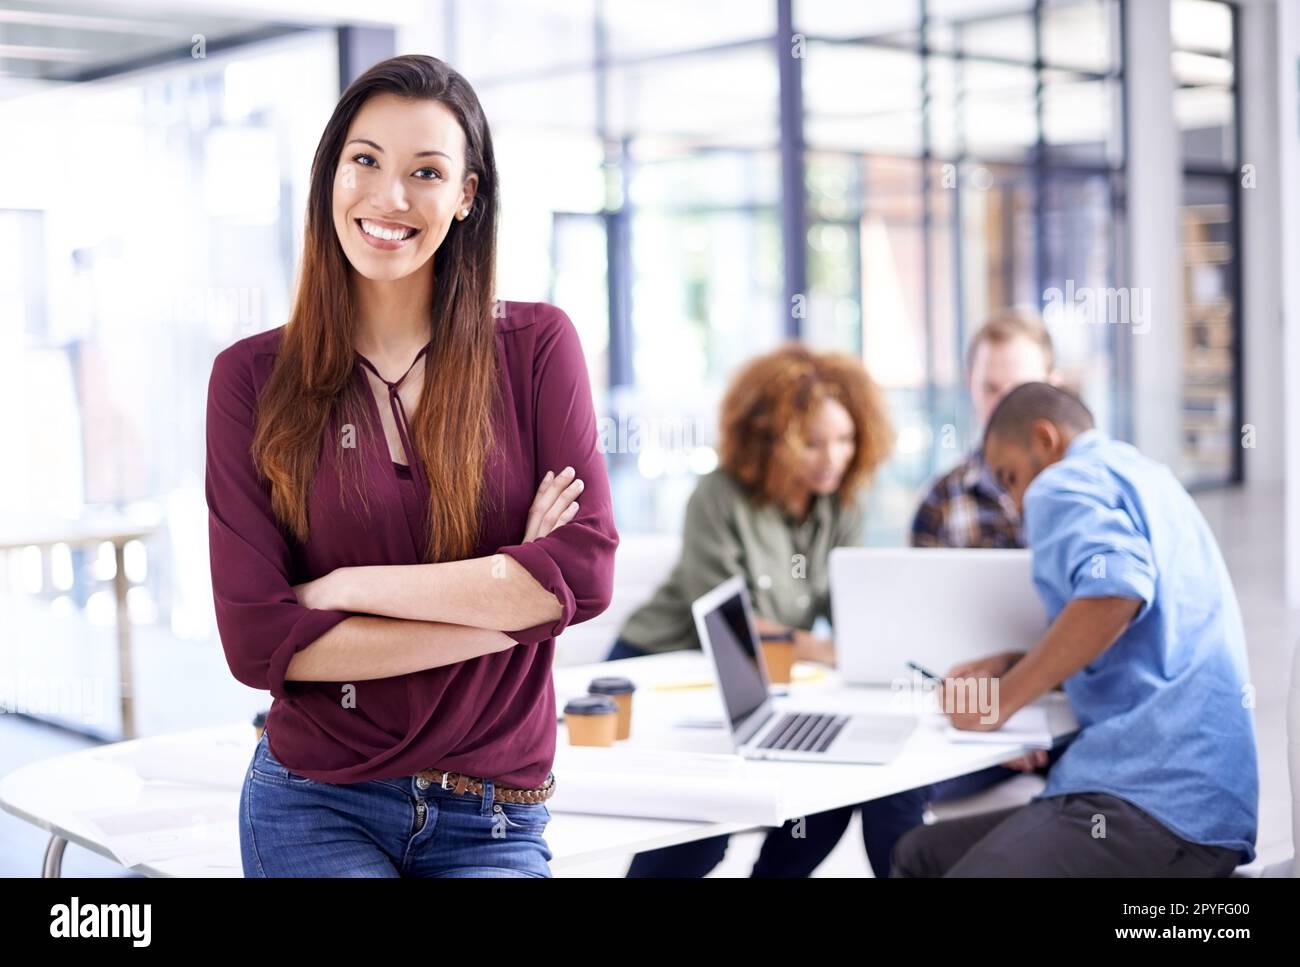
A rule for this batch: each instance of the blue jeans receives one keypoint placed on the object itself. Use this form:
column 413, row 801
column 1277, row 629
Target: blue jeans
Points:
column 290, row 825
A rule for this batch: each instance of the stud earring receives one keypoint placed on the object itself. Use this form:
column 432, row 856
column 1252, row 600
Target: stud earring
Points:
column 464, row 213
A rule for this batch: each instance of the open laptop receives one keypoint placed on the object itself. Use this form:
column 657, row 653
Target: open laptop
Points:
column 933, row 606
column 724, row 620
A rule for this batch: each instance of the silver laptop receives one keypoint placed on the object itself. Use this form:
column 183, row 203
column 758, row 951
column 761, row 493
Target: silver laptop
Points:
column 933, row 606
column 724, row 620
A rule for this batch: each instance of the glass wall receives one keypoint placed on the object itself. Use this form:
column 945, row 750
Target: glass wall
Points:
column 957, row 163
column 649, row 168
column 1205, row 111
column 956, row 157
column 148, row 221
column 953, row 164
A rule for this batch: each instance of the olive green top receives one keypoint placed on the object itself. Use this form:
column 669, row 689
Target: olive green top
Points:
column 784, row 561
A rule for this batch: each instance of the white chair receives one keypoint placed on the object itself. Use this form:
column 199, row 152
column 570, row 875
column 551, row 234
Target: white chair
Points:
column 641, row 564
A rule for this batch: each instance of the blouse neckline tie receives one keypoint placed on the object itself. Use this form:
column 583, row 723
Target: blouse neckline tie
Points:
column 399, row 414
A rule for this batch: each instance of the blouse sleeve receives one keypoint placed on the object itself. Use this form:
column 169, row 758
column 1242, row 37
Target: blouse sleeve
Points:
column 261, row 624
column 711, row 548
column 574, row 562
column 850, row 531
column 850, row 525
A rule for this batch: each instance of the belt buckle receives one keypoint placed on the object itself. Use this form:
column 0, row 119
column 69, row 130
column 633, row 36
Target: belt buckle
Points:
column 446, row 776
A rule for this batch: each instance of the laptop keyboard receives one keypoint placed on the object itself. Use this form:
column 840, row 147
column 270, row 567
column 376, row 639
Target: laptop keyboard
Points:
column 802, row 732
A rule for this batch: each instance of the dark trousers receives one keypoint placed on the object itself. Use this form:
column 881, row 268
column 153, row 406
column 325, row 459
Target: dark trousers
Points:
column 798, row 847
column 1082, row 834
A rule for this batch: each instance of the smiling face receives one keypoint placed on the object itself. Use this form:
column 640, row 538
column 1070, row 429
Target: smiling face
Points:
column 829, row 442
column 399, row 183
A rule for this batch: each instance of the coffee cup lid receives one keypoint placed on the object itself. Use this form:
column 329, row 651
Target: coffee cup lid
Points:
column 590, row 705
column 611, row 685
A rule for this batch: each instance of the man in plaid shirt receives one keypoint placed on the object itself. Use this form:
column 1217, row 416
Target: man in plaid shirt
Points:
column 966, row 507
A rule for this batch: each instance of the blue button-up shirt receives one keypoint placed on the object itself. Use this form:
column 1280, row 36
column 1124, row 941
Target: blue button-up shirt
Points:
column 1165, row 712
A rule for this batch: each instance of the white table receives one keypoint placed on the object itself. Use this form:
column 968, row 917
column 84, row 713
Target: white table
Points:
column 927, row 757
column 193, row 828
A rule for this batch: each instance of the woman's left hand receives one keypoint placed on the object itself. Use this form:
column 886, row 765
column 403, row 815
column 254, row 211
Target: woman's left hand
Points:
column 554, row 505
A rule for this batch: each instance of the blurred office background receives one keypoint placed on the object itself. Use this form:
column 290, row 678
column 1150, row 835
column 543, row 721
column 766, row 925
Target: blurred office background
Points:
column 694, row 182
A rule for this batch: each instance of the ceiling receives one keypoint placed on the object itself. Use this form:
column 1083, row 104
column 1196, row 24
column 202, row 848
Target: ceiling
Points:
column 67, row 40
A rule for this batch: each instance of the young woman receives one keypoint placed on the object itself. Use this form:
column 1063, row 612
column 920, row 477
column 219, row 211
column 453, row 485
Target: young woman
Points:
column 396, row 539
column 801, row 433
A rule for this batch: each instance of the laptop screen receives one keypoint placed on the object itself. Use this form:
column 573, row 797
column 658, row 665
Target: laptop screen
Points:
column 737, row 658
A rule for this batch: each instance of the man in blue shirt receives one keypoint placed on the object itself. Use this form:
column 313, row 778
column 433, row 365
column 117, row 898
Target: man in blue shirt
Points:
column 1146, row 637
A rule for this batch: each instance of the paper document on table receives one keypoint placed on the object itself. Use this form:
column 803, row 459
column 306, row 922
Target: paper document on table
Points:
column 150, row 833
column 663, row 784
column 219, row 763
column 1030, row 726
column 172, row 796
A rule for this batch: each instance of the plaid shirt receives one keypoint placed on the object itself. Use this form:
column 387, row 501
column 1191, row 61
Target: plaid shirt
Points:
column 966, row 508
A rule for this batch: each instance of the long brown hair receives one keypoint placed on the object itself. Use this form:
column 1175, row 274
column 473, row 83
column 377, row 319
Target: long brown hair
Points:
column 766, row 409
column 313, row 380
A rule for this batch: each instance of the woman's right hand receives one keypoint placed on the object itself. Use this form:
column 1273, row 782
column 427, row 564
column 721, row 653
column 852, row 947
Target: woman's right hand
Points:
column 555, row 504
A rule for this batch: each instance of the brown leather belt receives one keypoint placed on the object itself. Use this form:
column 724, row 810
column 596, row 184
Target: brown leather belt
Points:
column 460, row 784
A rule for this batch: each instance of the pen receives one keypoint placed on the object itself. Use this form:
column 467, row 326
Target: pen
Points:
column 924, row 671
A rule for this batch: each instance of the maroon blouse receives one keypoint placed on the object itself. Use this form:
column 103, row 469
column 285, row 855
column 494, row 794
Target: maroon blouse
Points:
column 492, row 716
